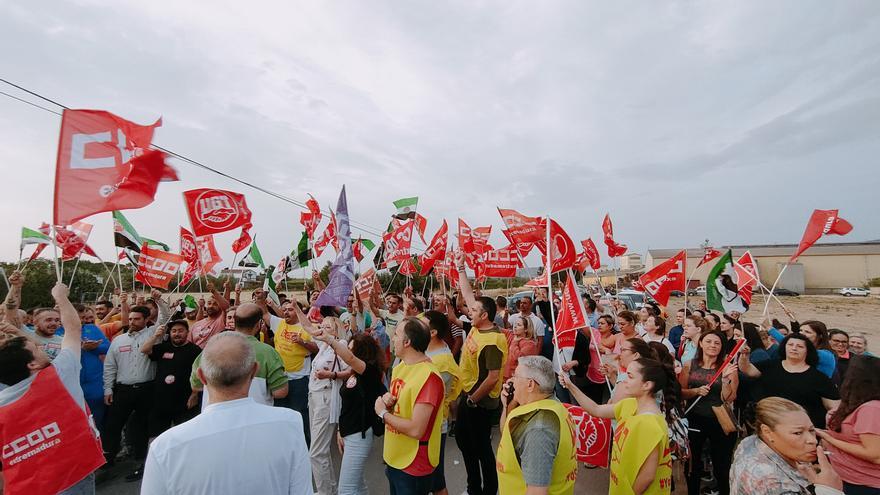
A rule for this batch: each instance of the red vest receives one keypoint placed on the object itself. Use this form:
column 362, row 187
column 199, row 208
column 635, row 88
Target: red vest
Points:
column 48, row 441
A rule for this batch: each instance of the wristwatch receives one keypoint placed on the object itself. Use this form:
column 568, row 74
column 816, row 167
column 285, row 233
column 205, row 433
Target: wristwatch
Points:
column 382, row 415
column 470, row 402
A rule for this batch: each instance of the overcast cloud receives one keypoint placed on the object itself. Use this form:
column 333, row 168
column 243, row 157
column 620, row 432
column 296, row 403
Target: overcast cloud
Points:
column 685, row 120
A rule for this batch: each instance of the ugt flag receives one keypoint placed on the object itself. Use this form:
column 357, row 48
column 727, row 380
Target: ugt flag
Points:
column 212, row 211
column 342, row 271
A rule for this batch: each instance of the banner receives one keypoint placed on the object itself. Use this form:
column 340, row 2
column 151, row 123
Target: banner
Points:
column 593, row 436
column 342, row 271
column 157, row 268
column 666, row 277
column 212, row 211
column 364, row 284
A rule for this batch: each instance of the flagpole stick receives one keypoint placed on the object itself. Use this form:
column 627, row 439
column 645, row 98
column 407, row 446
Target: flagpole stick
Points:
column 547, row 269
column 75, row 266
column 104, row 289
column 55, row 254
column 592, row 340
column 390, row 284
column 26, row 263
column 778, row 277
column 20, row 253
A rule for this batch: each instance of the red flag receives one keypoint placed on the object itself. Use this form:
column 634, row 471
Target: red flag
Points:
column 406, row 267
column 157, row 268
column 524, row 248
column 328, row 237
column 539, row 281
column 593, row 436
column 307, row 220
column 72, row 240
column 446, row 269
column 208, row 256
column 638, row 286
column 103, row 165
column 192, row 269
column 591, row 253
column 499, row 263
column 398, row 242
column 666, row 277
column 821, row 222
column 212, row 211
column 571, row 316
column 614, row 249
column 746, row 276
column 314, row 209
column 480, row 236
column 563, row 252
column 188, row 248
column 436, row 250
column 523, row 229
column 709, row 255
column 364, row 284
column 465, row 237
column 244, row 240
column 421, row 225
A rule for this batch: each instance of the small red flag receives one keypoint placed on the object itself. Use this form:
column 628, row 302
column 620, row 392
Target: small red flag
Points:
column 666, row 277
column 244, row 240
column 563, row 252
column 188, row 248
column 157, row 268
column 436, row 250
column 421, row 225
column 364, row 284
column 523, row 229
column 208, row 255
column 593, row 436
column 746, row 276
column 571, row 316
column 398, row 242
column 465, row 237
column 821, row 222
column 708, row 255
column 614, row 249
column 592, row 253
column 212, row 211
column 480, row 236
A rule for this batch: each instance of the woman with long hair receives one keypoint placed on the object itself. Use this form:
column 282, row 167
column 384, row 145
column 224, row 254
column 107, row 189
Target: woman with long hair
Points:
column 608, row 339
column 694, row 327
column 655, row 331
column 853, row 434
column 641, row 459
column 794, row 377
column 629, row 351
column 817, row 332
column 703, row 423
column 778, row 458
column 520, row 342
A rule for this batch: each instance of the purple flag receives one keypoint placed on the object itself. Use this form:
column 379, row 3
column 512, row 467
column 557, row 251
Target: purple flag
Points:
column 342, row 272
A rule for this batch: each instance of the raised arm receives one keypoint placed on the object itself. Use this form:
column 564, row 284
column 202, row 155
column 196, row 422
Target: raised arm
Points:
column 164, row 311
column 746, row 366
column 222, row 302
column 589, row 405
column 342, row 350
column 69, row 319
column 463, row 283
column 227, row 289
column 147, row 347
column 13, row 299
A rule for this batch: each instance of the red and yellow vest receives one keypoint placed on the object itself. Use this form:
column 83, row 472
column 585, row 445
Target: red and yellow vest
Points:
column 562, row 478
column 470, row 358
column 445, row 363
column 47, row 449
column 406, row 383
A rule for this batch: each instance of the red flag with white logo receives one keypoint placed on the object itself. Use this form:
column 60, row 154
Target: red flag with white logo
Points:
column 539, row 281
column 328, row 237
column 666, row 277
column 156, row 267
column 593, row 436
column 821, row 222
column 746, row 276
column 436, row 250
column 480, row 236
column 523, row 229
column 591, row 253
column 499, row 263
column 188, row 248
column 406, row 267
column 524, row 248
column 208, row 255
column 421, row 225
column 563, row 252
column 212, row 211
column 708, row 255
column 465, row 237
column 364, row 284
column 398, row 242
column 614, row 249
column 571, row 316
column 104, row 164
column 244, row 240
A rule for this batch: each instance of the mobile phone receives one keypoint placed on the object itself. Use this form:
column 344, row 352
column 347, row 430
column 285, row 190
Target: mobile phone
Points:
column 509, row 391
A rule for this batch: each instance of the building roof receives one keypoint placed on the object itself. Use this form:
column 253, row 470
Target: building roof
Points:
column 823, row 249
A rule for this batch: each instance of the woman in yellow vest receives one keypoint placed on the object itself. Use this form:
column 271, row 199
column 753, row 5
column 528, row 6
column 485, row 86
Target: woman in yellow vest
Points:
column 443, row 359
column 411, row 411
column 537, row 451
column 641, row 460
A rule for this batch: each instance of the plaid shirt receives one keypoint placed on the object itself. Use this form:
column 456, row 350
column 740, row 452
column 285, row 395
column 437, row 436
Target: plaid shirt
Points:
column 759, row 470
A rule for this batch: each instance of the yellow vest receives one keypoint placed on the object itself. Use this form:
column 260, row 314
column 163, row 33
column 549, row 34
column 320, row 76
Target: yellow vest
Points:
column 635, row 437
column 445, row 363
column 406, row 383
column 293, row 355
column 510, row 476
column 470, row 358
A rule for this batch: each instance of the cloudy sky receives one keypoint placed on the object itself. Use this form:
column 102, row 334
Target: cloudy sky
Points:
column 685, row 120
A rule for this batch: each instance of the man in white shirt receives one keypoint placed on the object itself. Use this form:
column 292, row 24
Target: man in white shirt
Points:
column 235, row 445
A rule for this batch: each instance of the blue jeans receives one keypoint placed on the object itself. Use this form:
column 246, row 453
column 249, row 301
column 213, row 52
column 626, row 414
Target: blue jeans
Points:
column 85, row 487
column 298, row 400
column 407, row 484
column 850, row 489
column 99, row 410
column 351, row 474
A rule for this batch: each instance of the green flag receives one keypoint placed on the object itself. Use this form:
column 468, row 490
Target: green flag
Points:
column 124, row 234
column 303, row 252
column 254, row 258
column 368, row 244
column 722, row 292
column 190, row 302
column 269, row 286
column 30, row 236
column 406, row 207
column 153, row 243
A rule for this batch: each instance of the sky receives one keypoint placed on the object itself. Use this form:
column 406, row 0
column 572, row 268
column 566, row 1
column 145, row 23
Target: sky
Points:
column 727, row 121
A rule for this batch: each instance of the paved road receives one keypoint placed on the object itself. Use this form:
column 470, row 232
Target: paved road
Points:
column 590, row 481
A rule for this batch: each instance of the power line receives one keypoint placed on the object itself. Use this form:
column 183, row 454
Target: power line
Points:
column 355, row 225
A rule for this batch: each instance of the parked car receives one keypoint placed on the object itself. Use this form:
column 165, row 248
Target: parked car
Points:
column 854, row 291
column 632, row 299
column 698, row 291
column 676, row 293
column 513, row 301
column 779, row 291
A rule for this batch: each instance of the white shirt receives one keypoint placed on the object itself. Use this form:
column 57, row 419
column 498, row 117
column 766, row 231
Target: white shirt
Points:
column 536, row 322
column 233, row 447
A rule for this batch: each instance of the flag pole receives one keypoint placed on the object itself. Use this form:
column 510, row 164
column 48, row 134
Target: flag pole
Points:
column 20, row 254
column 547, row 268
column 55, row 254
column 75, row 266
column 590, row 329
column 778, row 277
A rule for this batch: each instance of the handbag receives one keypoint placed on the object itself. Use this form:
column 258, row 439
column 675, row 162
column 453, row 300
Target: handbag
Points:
column 726, row 418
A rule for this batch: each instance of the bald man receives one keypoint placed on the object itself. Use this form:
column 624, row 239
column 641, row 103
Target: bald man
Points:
column 240, row 446
column 270, row 382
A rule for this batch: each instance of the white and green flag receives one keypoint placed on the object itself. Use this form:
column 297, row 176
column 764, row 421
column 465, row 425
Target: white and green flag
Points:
column 30, row 236
column 269, row 286
column 253, row 259
column 406, row 207
column 124, row 235
column 722, row 287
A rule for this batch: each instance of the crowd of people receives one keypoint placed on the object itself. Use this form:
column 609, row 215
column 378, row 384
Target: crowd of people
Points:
column 228, row 396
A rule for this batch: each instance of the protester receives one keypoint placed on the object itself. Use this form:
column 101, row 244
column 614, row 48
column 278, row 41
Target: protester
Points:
column 94, row 349
column 171, row 388
column 676, row 331
column 214, row 320
column 128, row 384
column 229, row 321
column 702, row 420
column 525, row 311
column 590, row 310
column 606, row 331
column 537, row 450
column 482, row 360
column 236, row 445
column 41, row 393
column 655, row 331
column 502, row 313
column 858, row 345
column 817, row 332
column 328, row 374
column 640, row 454
column 393, row 312
column 295, row 346
column 694, row 327
column 794, row 377
column 630, row 350
column 575, row 362
column 270, row 382
column 520, row 342
column 853, row 433
column 46, row 322
column 626, row 321
column 839, row 343
column 442, row 358
column 357, row 417
column 443, row 304
column 762, row 349
column 411, row 413
column 777, row 458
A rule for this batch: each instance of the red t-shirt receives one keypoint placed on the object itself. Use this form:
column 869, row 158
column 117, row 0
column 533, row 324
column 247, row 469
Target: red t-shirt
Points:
column 431, row 393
